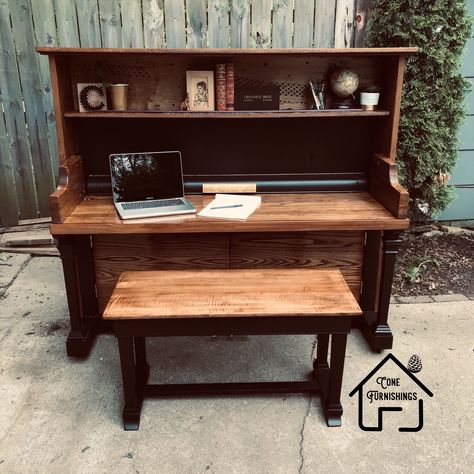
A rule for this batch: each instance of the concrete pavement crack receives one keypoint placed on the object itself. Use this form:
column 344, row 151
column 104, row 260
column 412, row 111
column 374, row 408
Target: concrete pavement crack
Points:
column 300, row 469
column 17, row 274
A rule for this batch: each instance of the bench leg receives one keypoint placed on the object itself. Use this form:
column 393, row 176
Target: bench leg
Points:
column 142, row 366
column 329, row 377
column 321, row 361
column 333, row 407
column 133, row 402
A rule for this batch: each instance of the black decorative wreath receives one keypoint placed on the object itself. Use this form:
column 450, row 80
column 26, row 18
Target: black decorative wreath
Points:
column 84, row 97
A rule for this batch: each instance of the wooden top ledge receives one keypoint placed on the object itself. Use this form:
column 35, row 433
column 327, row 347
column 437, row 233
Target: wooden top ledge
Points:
column 232, row 51
column 230, row 293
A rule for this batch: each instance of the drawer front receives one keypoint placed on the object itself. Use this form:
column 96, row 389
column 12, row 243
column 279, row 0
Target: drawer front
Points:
column 114, row 254
column 343, row 250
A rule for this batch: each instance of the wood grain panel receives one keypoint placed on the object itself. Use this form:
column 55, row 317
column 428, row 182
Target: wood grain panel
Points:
column 116, row 254
column 63, row 101
column 278, row 213
column 390, row 100
column 342, row 250
column 70, row 191
column 384, row 186
column 224, row 293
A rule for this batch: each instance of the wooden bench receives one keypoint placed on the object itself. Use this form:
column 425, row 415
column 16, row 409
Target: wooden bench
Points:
column 222, row 302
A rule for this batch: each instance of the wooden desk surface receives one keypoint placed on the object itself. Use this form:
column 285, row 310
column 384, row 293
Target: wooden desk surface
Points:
column 278, row 213
column 236, row 293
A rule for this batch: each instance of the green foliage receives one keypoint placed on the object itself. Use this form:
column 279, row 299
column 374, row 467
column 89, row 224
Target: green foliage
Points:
column 413, row 271
column 433, row 92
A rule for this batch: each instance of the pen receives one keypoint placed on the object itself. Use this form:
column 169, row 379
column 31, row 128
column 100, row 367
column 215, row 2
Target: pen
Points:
column 227, row 207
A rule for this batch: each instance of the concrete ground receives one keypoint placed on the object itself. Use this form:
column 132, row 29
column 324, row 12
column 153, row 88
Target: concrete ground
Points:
column 59, row 415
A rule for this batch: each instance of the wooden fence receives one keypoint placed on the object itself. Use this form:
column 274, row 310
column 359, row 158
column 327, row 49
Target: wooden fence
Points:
column 28, row 150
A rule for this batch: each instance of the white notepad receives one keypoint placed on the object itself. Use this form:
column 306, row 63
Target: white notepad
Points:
column 231, row 206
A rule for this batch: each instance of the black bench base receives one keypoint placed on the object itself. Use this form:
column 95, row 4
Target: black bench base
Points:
column 327, row 377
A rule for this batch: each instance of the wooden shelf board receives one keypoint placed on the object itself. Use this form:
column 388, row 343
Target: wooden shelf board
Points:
column 229, row 115
column 278, row 213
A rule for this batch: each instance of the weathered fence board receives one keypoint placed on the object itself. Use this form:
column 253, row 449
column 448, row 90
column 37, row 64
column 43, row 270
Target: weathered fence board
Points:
column 344, row 24
column 132, row 24
column 218, row 11
column 28, row 146
column 262, row 24
column 88, row 22
column 282, row 32
column 153, row 23
column 304, row 22
column 15, row 118
column 66, row 21
column 175, row 24
column 324, row 17
column 197, row 23
column 240, row 24
column 110, row 27
column 28, row 67
column 46, row 34
column 8, row 204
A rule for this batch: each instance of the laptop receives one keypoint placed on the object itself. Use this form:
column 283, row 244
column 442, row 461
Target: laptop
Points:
column 148, row 184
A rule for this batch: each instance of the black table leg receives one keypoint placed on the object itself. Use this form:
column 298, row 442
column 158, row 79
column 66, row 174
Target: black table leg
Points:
column 79, row 277
column 133, row 401
column 380, row 254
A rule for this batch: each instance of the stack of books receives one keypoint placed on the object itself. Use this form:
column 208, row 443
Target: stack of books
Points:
column 225, row 84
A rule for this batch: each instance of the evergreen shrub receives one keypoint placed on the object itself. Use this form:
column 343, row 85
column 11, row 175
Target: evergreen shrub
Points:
column 433, row 93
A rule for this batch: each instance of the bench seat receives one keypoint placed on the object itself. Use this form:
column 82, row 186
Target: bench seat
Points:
column 222, row 302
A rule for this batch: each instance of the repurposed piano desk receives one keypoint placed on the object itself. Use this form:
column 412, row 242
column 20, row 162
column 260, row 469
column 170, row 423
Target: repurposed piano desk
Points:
column 328, row 179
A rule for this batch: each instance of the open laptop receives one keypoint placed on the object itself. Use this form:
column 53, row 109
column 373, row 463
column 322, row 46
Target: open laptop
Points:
column 148, row 184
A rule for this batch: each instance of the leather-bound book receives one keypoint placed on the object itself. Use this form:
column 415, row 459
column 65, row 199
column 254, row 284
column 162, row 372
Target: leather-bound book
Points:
column 230, row 82
column 221, row 98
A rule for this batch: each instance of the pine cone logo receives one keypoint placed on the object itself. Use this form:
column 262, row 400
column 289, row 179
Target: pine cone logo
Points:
column 414, row 364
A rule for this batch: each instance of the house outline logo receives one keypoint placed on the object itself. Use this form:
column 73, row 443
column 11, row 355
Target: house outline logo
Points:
column 381, row 409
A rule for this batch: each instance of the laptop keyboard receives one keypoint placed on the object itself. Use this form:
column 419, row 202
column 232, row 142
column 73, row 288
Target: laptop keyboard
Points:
column 127, row 206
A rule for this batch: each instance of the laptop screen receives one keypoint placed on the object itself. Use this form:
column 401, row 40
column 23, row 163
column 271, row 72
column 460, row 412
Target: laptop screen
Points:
column 146, row 176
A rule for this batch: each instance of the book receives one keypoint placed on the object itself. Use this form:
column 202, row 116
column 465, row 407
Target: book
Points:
column 230, row 84
column 257, row 98
column 221, row 97
column 231, row 206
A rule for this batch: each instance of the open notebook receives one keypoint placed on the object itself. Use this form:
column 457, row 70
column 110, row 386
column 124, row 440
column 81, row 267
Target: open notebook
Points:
column 231, row 206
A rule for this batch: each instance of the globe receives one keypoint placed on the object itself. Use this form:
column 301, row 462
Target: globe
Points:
column 344, row 82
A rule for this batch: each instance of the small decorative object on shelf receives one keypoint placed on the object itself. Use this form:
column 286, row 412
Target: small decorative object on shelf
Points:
column 369, row 97
column 257, row 98
column 185, row 104
column 317, row 91
column 343, row 84
column 200, row 89
column 119, row 96
column 92, row 97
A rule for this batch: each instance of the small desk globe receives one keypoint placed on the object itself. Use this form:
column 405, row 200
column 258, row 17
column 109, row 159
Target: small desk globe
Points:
column 343, row 82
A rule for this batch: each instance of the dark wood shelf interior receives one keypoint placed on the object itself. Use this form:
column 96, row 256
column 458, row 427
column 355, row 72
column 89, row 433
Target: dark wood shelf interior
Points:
column 239, row 114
